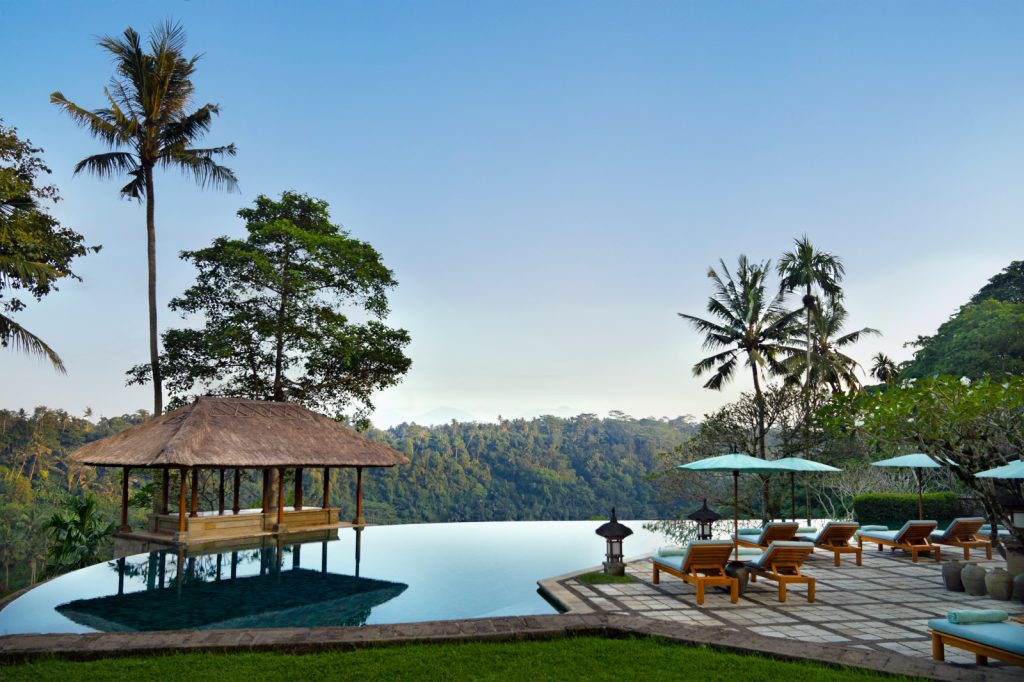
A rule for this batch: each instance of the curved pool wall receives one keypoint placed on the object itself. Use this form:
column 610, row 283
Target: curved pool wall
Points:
column 403, row 573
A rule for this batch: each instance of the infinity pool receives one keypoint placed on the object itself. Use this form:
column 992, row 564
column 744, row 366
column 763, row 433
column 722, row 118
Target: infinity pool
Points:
column 382, row 574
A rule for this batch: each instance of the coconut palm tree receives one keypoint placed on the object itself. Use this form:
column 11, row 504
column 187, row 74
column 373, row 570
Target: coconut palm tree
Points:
column 830, row 366
column 883, row 368
column 807, row 268
column 747, row 325
column 147, row 123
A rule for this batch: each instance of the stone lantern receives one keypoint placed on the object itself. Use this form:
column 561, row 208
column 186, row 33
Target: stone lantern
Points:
column 614, row 533
column 704, row 517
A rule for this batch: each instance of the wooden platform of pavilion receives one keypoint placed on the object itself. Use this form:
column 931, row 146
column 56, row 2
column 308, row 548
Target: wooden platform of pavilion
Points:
column 231, row 435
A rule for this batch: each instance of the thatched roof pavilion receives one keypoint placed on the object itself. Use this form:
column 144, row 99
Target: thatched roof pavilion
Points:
column 220, row 433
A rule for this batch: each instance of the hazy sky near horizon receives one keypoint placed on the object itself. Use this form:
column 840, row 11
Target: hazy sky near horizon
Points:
column 550, row 181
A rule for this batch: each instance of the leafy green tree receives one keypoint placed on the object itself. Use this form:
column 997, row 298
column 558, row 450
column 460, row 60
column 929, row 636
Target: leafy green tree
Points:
column 982, row 339
column 274, row 314
column 748, row 324
column 808, row 268
column 35, row 250
column 147, row 123
column 830, row 366
column 883, row 368
column 77, row 535
column 1007, row 286
column 974, row 426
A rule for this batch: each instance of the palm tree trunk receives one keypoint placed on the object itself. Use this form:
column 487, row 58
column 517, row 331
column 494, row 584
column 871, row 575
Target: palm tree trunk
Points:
column 760, row 439
column 154, row 351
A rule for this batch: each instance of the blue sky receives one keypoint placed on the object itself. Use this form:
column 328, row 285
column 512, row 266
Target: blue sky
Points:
column 549, row 181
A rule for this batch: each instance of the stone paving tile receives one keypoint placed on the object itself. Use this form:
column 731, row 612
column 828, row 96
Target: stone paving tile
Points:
column 882, row 606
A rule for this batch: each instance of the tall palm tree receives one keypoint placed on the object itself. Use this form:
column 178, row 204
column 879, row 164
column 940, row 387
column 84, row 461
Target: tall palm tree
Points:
column 146, row 124
column 749, row 325
column 807, row 268
column 830, row 366
column 883, row 368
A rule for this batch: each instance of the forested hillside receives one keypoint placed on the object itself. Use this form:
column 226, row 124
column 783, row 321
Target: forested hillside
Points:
column 544, row 468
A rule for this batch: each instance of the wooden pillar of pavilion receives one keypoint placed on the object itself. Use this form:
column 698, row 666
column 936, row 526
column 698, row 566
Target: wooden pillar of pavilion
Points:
column 181, row 499
column 125, row 528
column 266, row 490
column 165, row 492
column 327, row 488
column 359, row 520
column 298, row 488
column 235, row 504
column 280, row 498
column 194, row 510
column 220, row 493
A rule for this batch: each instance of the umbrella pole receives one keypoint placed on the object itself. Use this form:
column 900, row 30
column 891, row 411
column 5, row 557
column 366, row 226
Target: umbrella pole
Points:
column 920, row 498
column 736, row 512
column 807, row 499
column 792, row 494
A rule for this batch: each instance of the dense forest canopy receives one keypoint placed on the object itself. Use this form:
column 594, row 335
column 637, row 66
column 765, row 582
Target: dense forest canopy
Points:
column 543, row 468
column 983, row 338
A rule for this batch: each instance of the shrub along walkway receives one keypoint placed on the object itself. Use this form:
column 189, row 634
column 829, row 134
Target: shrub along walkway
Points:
column 882, row 606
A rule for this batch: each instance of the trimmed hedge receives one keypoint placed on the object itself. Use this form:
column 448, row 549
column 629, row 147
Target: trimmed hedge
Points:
column 895, row 509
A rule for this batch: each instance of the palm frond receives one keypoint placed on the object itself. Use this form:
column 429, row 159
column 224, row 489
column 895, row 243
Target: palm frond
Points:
column 106, row 165
column 21, row 339
column 97, row 125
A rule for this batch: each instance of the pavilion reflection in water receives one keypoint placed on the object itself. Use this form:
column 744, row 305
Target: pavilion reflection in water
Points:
column 263, row 586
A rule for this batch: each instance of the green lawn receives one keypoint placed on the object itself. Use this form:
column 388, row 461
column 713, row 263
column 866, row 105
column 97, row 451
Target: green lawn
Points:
column 583, row 658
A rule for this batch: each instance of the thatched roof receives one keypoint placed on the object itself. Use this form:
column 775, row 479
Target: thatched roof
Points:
column 231, row 432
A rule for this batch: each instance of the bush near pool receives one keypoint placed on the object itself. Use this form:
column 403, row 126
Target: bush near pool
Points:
column 895, row 509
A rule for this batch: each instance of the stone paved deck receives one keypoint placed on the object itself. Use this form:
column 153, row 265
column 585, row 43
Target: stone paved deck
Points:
column 881, row 606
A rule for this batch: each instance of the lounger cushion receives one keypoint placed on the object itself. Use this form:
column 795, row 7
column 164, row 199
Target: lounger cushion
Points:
column 672, row 550
column 869, row 527
column 944, row 534
column 1006, row 636
column 889, row 535
column 749, row 531
column 763, row 560
column 677, row 561
column 813, row 537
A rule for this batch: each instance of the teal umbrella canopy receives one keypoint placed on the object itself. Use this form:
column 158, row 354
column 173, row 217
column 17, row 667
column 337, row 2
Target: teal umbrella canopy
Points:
column 915, row 461
column 1011, row 470
column 799, row 464
column 737, row 462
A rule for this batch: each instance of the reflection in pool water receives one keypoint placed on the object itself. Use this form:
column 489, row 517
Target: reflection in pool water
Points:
column 383, row 574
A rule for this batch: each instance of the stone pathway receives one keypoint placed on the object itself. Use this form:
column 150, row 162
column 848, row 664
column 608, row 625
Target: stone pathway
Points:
column 883, row 605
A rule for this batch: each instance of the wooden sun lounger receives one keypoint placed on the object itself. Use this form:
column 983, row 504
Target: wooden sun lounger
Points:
column 982, row 651
column 774, row 531
column 835, row 537
column 782, row 563
column 964, row 533
column 913, row 538
column 703, row 565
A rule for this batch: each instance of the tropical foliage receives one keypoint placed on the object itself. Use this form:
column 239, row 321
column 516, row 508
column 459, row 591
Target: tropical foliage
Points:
column 36, row 251
column 147, row 123
column 295, row 311
column 972, row 425
column 78, row 535
column 749, row 325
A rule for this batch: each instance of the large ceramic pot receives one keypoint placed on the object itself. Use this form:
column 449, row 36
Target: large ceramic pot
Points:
column 951, row 575
column 998, row 584
column 1014, row 557
column 973, row 577
column 1018, row 588
column 740, row 572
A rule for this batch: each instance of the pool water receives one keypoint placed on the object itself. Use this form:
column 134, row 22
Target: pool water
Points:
column 381, row 574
